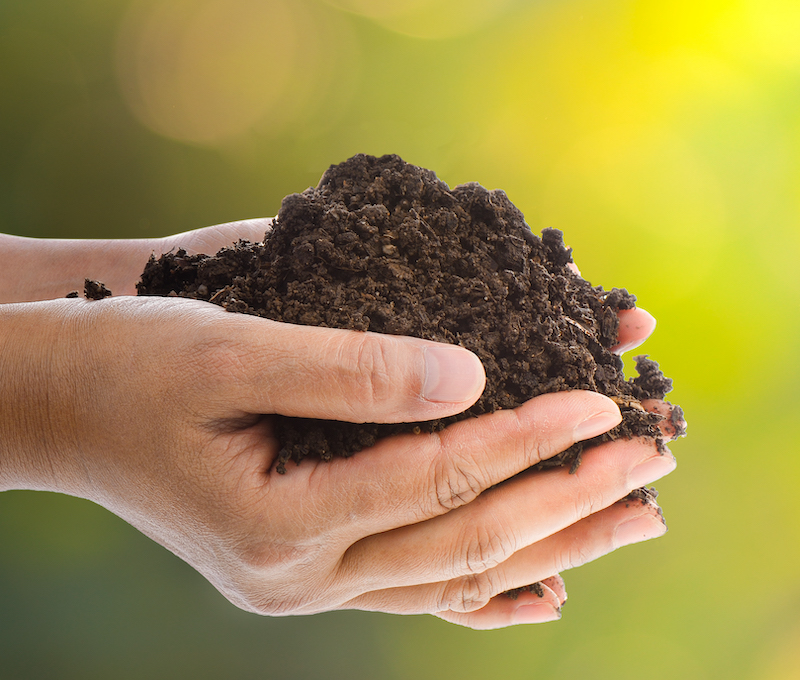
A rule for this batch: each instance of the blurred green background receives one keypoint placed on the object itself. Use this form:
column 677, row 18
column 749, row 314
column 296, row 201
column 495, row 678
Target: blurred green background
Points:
column 663, row 138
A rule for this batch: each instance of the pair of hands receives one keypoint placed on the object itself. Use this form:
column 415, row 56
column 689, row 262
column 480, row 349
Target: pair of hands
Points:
column 153, row 408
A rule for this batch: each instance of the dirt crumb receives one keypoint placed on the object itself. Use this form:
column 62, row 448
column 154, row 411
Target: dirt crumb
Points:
column 94, row 290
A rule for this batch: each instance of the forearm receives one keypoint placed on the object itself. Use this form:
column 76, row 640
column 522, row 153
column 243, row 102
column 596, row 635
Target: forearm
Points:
column 45, row 269
column 30, row 410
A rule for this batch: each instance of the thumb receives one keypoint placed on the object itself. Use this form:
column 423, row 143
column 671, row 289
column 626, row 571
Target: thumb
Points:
column 355, row 376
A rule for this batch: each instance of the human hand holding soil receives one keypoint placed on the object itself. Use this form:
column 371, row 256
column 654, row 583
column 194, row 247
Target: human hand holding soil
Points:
column 385, row 246
column 167, row 411
column 152, row 408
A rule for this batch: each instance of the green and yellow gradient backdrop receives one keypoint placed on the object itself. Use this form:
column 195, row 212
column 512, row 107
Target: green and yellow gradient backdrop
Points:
column 663, row 138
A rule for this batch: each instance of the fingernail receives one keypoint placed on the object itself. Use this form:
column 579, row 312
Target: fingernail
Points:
column 452, row 374
column 537, row 613
column 597, row 424
column 639, row 529
column 652, row 469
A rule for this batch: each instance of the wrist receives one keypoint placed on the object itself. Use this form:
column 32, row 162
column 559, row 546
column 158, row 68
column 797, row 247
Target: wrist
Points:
column 38, row 432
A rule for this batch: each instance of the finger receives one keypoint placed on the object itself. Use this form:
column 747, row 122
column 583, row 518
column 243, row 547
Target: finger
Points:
column 557, row 585
column 211, row 239
column 407, row 479
column 503, row 611
column 635, row 326
column 480, row 601
column 343, row 375
column 554, row 583
column 479, row 536
column 624, row 523
column 498, row 612
column 673, row 424
column 579, row 544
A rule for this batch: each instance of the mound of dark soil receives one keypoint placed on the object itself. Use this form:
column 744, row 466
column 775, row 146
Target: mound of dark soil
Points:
column 384, row 246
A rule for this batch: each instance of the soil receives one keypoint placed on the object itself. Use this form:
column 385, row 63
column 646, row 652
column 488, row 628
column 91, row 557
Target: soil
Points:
column 92, row 290
column 382, row 245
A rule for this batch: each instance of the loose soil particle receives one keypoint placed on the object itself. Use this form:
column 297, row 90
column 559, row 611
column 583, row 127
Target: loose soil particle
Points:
column 382, row 245
column 92, row 290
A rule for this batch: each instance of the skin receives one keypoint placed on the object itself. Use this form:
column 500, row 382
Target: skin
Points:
column 159, row 409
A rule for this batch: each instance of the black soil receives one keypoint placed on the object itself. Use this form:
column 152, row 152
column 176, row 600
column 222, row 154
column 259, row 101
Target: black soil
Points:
column 381, row 245
column 94, row 290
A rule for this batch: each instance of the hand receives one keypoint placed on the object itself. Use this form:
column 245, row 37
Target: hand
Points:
column 47, row 269
column 150, row 407
column 209, row 240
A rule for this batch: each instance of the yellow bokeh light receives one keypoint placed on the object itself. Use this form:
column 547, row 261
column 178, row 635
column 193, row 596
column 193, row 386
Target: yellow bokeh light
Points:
column 774, row 26
column 205, row 71
column 653, row 181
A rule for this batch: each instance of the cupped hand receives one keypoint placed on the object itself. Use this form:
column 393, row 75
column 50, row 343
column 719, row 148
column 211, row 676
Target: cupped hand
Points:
column 155, row 408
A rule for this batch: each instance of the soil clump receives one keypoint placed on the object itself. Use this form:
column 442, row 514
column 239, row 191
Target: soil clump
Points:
column 382, row 245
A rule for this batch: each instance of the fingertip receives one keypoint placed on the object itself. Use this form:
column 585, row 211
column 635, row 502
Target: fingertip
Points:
column 503, row 611
column 541, row 606
column 673, row 424
column 539, row 612
column 635, row 326
column 557, row 585
column 452, row 374
column 600, row 414
column 642, row 528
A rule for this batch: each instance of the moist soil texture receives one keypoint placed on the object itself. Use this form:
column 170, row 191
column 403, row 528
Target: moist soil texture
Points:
column 382, row 245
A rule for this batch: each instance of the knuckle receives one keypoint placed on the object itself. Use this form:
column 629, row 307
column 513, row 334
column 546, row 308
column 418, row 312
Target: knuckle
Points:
column 533, row 448
column 370, row 361
column 469, row 593
column 575, row 554
column 535, row 451
column 589, row 502
column 297, row 582
column 484, row 548
column 455, row 484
